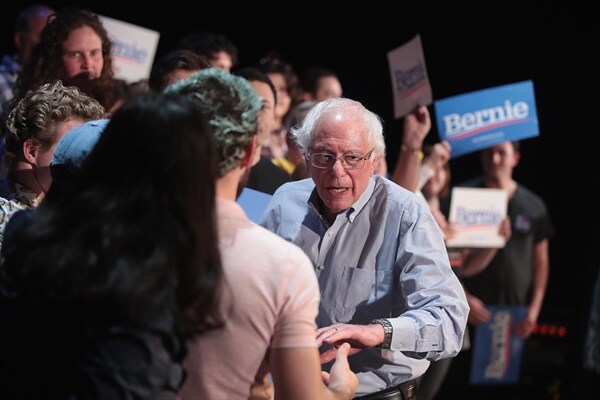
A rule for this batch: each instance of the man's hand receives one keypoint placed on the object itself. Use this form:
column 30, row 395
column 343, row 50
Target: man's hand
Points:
column 341, row 379
column 358, row 336
column 478, row 313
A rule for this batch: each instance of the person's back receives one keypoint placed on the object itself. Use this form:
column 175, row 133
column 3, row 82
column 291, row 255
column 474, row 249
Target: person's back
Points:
column 270, row 295
column 271, row 303
column 116, row 305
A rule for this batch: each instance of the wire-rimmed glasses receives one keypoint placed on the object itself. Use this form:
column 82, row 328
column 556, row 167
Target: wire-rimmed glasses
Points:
column 349, row 161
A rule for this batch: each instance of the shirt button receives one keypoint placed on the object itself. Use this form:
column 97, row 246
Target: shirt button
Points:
column 329, row 234
column 320, row 267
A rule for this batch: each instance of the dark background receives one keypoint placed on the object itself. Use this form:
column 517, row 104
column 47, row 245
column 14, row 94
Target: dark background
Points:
column 466, row 48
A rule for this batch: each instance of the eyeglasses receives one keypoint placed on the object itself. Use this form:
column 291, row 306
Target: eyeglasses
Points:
column 349, row 161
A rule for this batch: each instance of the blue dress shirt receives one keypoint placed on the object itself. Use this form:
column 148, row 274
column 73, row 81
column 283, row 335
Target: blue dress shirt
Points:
column 384, row 257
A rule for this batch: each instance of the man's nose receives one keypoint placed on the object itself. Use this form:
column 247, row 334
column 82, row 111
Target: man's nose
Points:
column 86, row 61
column 338, row 167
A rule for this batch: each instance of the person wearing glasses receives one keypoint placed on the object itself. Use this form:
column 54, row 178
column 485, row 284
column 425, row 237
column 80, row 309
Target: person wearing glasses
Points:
column 386, row 283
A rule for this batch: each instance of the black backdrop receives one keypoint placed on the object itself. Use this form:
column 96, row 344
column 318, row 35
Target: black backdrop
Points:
column 466, row 48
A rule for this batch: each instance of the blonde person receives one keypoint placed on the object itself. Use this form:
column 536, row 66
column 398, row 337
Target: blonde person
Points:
column 34, row 127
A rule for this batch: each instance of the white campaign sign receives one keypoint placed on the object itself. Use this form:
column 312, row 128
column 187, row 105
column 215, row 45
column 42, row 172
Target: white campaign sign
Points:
column 134, row 48
column 477, row 214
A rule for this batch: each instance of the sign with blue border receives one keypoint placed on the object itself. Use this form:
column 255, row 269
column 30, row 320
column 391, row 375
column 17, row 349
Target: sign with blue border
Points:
column 253, row 203
column 481, row 119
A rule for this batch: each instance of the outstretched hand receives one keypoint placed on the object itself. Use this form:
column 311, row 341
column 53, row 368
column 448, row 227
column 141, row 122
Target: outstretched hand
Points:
column 341, row 378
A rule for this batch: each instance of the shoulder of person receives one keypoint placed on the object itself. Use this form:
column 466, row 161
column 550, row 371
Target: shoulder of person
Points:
column 531, row 198
column 280, row 250
column 302, row 185
column 10, row 206
column 387, row 186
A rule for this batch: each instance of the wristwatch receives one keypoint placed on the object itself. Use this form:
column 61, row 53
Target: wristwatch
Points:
column 387, row 332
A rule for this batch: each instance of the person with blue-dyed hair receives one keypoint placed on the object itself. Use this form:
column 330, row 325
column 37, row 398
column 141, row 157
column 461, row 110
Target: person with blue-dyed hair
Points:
column 270, row 293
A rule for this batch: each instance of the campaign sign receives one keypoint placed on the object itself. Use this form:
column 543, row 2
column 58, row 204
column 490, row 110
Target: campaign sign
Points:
column 484, row 118
column 254, row 203
column 497, row 350
column 477, row 214
column 410, row 83
column 133, row 49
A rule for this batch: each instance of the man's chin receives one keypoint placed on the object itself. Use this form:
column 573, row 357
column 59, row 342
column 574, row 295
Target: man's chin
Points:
column 85, row 82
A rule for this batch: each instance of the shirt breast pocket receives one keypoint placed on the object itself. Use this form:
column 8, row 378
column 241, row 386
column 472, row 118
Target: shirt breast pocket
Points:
column 359, row 294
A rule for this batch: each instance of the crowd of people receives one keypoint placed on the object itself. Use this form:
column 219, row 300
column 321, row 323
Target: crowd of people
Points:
column 121, row 237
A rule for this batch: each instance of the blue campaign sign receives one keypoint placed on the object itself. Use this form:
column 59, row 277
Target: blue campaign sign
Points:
column 254, row 203
column 481, row 119
column 497, row 350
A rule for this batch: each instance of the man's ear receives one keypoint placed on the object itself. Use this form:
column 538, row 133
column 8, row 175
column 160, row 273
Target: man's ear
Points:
column 516, row 158
column 30, row 151
column 251, row 149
